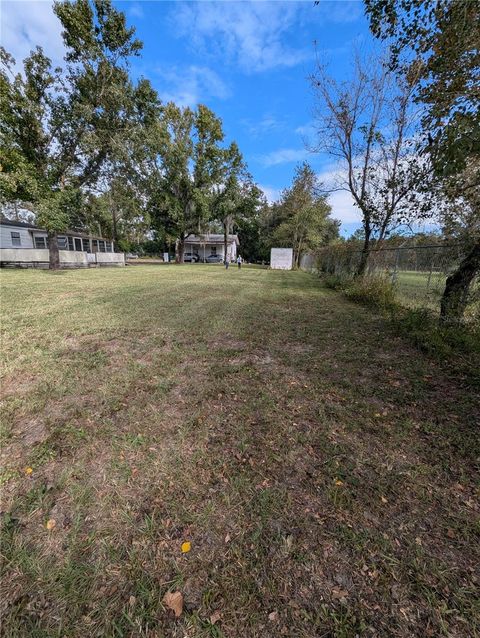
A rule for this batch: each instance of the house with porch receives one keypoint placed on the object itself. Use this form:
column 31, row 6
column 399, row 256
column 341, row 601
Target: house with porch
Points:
column 205, row 247
column 25, row 245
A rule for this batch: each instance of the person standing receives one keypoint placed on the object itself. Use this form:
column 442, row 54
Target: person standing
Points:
column 239, row 262
column 227, row 261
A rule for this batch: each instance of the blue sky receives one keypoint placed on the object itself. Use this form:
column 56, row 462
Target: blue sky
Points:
column 248, row 61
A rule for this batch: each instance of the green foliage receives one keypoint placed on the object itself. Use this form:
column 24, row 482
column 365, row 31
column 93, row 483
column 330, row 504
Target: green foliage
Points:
column 57, row 210
column 435, row 44
column 445, row 341
column 60, row 127
column 301, row 219
column 195, row 179
column 372, row 290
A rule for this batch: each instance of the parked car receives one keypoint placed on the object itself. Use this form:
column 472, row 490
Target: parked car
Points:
column 214, row 259
column 191, row 257
column 132, row 256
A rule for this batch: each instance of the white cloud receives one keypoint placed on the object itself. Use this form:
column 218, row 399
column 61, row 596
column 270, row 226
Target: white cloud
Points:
column 266, row 124
column 136, row 10
column 305, row 129
column 343, row 207
column 249, row 34
column 190, row 85
column 272, row 194
column 24, row 25
column 335, row 11
column 341, row 201
column 283, row 156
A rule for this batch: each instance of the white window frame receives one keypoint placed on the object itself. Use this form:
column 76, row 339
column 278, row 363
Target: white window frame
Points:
column 40, row 238
column 15, row 236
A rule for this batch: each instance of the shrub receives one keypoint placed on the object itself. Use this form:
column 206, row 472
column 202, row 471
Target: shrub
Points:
column 372, row 290
column 335, row 282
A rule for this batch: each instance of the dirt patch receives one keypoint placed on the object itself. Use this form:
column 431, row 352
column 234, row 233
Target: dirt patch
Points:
column 253, row 360
column 17, row 385
column 227, row 342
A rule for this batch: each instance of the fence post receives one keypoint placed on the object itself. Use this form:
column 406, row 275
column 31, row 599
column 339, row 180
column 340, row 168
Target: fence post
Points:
column 430, row 272
column 395, row 270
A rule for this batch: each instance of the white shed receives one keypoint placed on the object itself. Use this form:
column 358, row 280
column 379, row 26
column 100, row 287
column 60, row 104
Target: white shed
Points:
column 281, row 258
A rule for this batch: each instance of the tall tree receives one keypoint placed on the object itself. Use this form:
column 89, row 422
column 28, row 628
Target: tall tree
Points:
column 60, row 127
column 437, row 44
column 366, row 125
column 189, row 162
column 303, row 215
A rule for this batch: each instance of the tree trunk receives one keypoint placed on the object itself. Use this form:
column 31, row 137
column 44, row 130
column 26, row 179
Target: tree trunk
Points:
column 54, row 258
column 225, row 240
column 362, row 266
column 179, row 250
column 455, row 296
column 114, row 225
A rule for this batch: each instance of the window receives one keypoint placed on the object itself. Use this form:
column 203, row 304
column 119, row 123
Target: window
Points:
column 86, row 245
column 214, row 250
column 40, row 242
column 78, row 243
column 62, row 243
column 70, row 243
column 16, row 241
column 101, row 245
column 108, row 246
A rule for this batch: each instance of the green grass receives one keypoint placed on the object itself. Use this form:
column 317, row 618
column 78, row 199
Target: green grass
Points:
column 420, row 289
column 322, row 468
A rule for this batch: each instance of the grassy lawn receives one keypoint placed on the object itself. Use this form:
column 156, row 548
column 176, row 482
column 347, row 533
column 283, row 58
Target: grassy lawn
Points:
column 324, row 471
column 417, row 289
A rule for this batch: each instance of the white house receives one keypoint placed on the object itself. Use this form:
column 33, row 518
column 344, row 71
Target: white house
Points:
column 25, row 245
column 203, row 247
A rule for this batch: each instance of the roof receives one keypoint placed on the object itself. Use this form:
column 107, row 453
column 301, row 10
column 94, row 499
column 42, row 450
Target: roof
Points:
column 12, row 222
column 76, row 233
column 212, row 238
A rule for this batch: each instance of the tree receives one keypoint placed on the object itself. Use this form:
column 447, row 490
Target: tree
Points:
column 226, row 193
column 59, row 127
column 236, row 197
column 188, row 163
column 366, row 124
column 303, row 215
column 460, row 219
column 436, row 43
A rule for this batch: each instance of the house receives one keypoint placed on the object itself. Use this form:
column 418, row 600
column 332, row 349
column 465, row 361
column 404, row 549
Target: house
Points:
column 209, row 245
column 25, row 245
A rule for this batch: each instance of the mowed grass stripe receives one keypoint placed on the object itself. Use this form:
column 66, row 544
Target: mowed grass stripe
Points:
column 322, row 469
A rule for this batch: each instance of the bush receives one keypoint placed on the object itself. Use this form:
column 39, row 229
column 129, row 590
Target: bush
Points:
column 335, row 282
column 372, row 290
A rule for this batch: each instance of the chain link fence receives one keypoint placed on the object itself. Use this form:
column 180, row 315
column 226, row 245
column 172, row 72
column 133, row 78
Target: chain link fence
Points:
column 417, row 273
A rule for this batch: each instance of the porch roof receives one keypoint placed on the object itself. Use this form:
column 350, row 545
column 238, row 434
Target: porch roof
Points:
column 211, row 238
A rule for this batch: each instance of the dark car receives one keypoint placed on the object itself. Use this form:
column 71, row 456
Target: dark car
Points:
column 214, row 259
column 192, row 257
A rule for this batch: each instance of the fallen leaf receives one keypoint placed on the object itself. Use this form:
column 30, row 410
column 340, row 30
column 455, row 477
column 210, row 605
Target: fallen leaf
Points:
column 338, row 482
column 28, row 470
column 132, row 600
column 174, row 601
column 186, row 547
column 51, row 524
column 339, row 593
column 273, row 616
column 215, row 617
column 383, row 499
column 450, row 533
column 228, row 538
